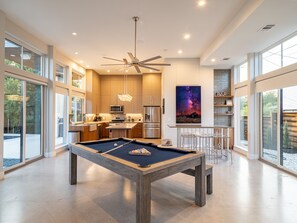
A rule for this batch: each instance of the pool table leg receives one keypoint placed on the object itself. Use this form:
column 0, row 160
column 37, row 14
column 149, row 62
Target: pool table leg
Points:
column 72, row 168
column 143, row 199
column 200, row 197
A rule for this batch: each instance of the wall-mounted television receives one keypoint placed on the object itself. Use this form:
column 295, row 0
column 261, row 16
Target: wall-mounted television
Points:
column 188, row 104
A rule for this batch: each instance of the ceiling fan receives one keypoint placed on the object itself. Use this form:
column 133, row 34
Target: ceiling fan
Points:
column 135, row 62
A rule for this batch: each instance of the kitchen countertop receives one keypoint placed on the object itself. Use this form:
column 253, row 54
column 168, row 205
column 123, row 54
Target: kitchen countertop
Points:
column 130, row 125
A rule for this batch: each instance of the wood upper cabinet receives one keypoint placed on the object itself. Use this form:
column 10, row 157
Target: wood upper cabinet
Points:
column 151, row 89
column 92, row 92
column 112, row 85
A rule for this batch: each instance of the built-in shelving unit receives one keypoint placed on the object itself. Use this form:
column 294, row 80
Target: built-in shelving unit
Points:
column 223, row 100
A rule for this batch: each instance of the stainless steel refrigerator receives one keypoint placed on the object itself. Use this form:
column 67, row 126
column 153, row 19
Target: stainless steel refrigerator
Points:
column 152, row 122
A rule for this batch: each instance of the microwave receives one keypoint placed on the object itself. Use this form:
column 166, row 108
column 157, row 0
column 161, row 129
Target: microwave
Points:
column 116, row 109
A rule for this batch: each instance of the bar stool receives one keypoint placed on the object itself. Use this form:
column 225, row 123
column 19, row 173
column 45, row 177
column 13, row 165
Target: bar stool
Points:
column 187, row 138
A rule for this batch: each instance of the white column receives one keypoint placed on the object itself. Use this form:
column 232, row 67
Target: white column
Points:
column 50, row 107
column 2, row 55
column 253, row 126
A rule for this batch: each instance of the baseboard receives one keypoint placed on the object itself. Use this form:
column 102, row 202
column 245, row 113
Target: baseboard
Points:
column 240, row 150
column 50, row 154
column 253, row 156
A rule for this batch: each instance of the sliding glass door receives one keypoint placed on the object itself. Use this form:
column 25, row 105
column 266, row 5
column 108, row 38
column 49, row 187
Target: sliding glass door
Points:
column 279, row 127
column 13, row 122
column 270, row 125
column 288, row 137
column 22, row 121
column 33, row 120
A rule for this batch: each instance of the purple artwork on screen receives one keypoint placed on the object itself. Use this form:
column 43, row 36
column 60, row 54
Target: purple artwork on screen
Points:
column 188, row 104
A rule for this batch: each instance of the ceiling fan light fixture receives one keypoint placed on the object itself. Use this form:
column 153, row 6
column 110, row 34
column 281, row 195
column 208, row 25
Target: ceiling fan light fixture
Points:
column 134, row 61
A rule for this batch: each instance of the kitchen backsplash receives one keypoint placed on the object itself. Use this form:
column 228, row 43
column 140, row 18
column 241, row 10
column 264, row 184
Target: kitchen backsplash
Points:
column 129, row 117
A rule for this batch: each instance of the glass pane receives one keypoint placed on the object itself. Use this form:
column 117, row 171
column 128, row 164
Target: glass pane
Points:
column 77, row 109
column 13, row 53
column 243, row 71
column 13, row 121
column 77, row 80
column 31, row 61
column 60, row 73
column 289, row 138
column 61, row 109
column 269, row 125
column 271, row 59
column 33, row 120
column 243, row 121
column 290, row 51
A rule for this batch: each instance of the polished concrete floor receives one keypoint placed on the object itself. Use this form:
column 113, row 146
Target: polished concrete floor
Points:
column 245, row 192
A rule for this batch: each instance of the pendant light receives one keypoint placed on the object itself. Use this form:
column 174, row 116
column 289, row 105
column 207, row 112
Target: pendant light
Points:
column 125, row 96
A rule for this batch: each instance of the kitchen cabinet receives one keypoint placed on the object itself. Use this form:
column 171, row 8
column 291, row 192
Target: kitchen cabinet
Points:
column 137, row 131
column 87, row 132
column 104, row 131
column 111, row 86
column 151, row 89
column 92, row 92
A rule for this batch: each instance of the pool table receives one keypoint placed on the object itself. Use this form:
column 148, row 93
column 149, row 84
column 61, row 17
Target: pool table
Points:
column 113, row 154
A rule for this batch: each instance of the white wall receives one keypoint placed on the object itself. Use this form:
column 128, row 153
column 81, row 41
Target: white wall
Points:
column 186, row 72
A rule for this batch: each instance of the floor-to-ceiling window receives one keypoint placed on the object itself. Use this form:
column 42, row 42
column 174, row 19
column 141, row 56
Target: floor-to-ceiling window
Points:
column 243, row 122
column 13, row 122
column 288, row 142
column 22, row 121
column 33, row 120
column 61, row 117
column 269, row 125
column 279, row 127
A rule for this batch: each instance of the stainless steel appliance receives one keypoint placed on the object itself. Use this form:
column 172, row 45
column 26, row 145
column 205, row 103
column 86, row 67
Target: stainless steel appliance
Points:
column 116, row 109
column 152, row 122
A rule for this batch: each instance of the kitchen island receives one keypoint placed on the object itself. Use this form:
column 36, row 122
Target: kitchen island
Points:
column 121, row 130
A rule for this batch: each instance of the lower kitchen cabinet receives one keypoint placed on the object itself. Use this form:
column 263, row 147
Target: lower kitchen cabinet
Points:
column 137, row 131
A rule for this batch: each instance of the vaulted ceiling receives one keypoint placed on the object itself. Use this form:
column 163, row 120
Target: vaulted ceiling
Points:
column 219, row 29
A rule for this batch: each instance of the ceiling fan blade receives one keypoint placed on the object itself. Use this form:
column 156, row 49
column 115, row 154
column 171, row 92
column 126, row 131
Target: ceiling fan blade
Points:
column 137, row 69
column 151, row 68
column 112, row 59
column 157, row 64
column 150, row 59
column 114, row 64
column 133, row 59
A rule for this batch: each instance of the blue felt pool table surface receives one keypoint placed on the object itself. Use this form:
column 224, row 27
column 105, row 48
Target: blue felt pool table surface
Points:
column 157, row 154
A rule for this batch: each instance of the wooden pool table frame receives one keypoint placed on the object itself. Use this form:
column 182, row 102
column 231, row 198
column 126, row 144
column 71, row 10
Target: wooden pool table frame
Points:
column 143, row 176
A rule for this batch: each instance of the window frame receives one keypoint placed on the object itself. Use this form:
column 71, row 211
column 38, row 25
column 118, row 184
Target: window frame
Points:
column 23, row 45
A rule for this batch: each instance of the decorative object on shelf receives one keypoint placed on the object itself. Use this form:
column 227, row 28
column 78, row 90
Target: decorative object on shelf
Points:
column 125, row 96
column 229, row 102
column 134, row 60
column 188, row 104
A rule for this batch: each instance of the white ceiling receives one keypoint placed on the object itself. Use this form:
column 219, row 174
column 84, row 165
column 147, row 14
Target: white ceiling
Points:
column 222, row 28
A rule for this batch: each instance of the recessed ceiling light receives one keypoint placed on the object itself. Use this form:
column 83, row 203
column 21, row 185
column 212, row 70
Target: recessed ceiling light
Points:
column 12, row 55
column 180, row 51
column 201, row 3
column 88, row 66
column 81, row 61
column 108, row 71
column 74, row 33
column 187, row 36
column 126, row 70
column 151, row 70
column 76, row 53
column 213, row 60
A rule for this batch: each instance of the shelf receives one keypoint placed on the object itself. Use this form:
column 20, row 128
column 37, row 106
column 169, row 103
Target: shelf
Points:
column 223, row 114
column 223, row 105
column 226, row 96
